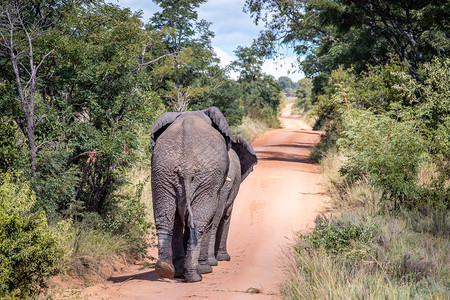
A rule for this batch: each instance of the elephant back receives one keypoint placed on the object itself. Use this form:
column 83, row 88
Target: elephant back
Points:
column 190, row 145
column 211, row 116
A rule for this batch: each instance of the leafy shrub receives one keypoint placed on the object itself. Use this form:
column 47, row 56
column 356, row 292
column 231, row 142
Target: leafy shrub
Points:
column 30, row 251
column 341, row 238
column 387, row 151
column 303, row 95
column 432, row 111
column 129, row 219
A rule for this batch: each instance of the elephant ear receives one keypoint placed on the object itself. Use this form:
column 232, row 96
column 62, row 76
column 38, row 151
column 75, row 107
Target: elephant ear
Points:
column 220, row 123
column 246, row 154
column 161, row 124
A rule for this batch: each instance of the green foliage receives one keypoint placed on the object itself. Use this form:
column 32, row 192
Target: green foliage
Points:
column 9, row 149
column 287, row 85
column 128, row 218
column 261, row 94
column 346, row 239
column 364, row 251
column 303, row 95
column 387, row 151
column 370, row 89
column 388, row 125
column 179, row 15
column 30, row 251
column 354, row 33
column 222, row 92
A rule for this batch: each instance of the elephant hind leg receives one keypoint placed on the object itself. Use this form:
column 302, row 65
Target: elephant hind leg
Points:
column 164, row 266
column 223, row 256
column 222, row 236
column 164, row 207
column 203, row 260
column 191, row 262
column 212, row 261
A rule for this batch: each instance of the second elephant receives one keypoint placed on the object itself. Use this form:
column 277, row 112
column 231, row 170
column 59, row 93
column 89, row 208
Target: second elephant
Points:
column 242, row 159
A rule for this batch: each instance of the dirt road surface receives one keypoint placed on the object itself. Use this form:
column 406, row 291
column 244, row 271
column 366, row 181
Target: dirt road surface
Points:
column 282, row 196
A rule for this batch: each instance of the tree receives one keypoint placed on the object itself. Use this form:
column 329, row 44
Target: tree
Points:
column 91, row 89
column 355, row 33
column 261, row 93
column 22, row 24
column 179, row 15
column 100, row 92
column 287, row 85
column 285, row 82
column 303, row 94
column 178, row 83
column 222, row 92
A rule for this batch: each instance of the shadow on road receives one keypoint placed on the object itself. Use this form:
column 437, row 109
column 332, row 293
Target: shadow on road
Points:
column 319, row 133
column 149, row 276
column 282, row 156
column 297, row 145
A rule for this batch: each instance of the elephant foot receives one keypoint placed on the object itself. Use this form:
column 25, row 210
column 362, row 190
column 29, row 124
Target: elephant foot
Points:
column 204, row 268
column 164, row 269
column 223, row 256
column 192, row 277
column 212, row 261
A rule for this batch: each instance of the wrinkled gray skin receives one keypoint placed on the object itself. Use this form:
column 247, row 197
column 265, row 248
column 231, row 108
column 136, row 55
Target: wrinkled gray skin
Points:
column 242, row 159
column 189, row 167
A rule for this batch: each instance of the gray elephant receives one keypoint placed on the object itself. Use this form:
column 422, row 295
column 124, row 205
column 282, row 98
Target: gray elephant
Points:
column 242, row 159
column 189, row 167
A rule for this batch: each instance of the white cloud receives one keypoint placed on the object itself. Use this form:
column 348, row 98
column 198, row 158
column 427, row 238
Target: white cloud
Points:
column 224, row 57
column 225, row 60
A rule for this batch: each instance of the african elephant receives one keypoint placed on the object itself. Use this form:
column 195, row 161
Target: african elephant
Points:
column 242, row 159
column 188, row 169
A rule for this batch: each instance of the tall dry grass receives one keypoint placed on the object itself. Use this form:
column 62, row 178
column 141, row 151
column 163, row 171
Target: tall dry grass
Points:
column 404, row 258
column 250, row 128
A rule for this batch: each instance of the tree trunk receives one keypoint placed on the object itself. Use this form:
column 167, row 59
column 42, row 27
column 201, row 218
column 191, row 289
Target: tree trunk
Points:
column 32, row 145
column 28, row 110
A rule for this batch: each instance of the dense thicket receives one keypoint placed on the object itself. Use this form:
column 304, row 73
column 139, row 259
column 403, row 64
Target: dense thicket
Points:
column 330, row 33
column 380, row 83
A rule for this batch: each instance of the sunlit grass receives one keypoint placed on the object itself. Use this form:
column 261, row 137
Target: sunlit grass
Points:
column 406, row 258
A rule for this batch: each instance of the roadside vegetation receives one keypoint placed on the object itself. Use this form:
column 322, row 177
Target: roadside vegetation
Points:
column 81, row 83
column 377, row 83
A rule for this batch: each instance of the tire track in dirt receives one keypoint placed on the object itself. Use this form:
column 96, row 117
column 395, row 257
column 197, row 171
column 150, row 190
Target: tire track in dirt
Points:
column 282, row 196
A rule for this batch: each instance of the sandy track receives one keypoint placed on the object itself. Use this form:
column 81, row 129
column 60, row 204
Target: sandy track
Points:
column 282, row 196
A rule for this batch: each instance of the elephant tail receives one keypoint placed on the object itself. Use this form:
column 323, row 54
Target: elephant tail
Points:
column 191, row 224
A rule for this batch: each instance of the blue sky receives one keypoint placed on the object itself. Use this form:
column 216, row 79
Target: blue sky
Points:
column 233, row 28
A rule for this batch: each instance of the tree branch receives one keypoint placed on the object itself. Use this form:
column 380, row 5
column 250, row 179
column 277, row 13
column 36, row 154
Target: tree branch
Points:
column 39, row 120
column 152, row 61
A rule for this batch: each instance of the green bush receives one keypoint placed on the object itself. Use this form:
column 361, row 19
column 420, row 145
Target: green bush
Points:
column 30, row 251
column 387, row 151
column 351, row 240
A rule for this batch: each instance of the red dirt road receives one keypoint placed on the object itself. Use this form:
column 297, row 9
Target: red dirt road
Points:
column 282, row 196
